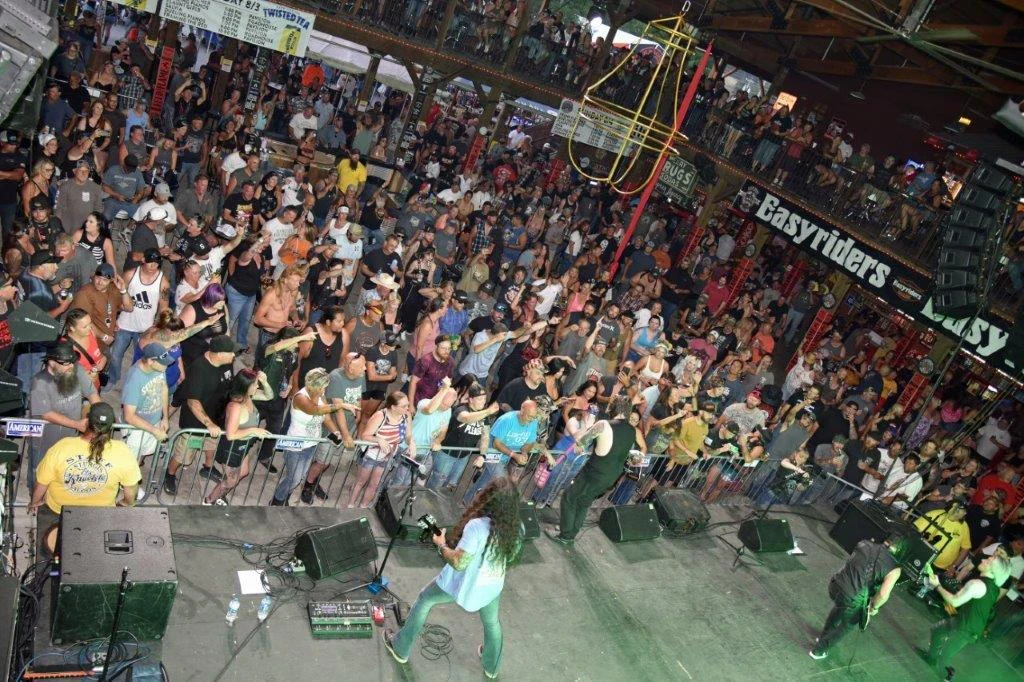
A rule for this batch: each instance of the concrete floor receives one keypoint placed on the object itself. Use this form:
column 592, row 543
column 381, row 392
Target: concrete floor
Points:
column 667, row 609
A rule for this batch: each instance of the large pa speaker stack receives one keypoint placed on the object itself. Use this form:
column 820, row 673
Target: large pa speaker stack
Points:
column 96, row 543
column 968, row 236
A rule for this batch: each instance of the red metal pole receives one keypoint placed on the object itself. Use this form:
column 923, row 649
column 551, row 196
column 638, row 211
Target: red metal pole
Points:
column 691, row 90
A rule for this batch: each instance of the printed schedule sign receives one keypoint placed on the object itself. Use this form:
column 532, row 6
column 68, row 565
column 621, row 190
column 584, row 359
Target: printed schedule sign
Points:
column 264, row 24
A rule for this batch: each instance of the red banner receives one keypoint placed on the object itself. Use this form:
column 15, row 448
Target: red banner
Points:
column 163, row 79
column 473, row 153
column 557, row 166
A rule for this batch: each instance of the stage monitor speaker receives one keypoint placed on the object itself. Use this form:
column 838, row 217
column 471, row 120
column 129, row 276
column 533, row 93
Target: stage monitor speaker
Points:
column 630, row 522
column 10, row 388
column 96, row 543
column 680, row 511
column 425, row 501
column 337, row 548
column 528, row 516
column 766, row 535
column 918, row 555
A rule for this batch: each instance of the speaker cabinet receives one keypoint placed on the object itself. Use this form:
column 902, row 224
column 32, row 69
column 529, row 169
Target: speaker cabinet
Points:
column 766, row 535
column 630, row 522
column 680, row 511
column 425, row 501
column 528, row 516
column 337, row 548
column 96, row 543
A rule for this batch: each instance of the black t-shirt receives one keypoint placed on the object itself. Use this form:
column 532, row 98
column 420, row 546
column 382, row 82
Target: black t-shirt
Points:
column 236, row 202
column 464, row 435
column 831, row 423
column 382, row 364
column 855, row 452
column 516, row 391
column 982, row 525
column 379, row 262
column 9, row 188
column 207, row 384
column 864, row 572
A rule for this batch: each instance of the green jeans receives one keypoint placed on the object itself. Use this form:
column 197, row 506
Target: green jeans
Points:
column 948, row 638
column 431, row 596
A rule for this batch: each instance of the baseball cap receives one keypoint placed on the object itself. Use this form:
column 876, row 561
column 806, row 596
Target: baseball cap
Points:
column 101, row 417
column 46, row 138
column 62, row 351
column 355, row 231
column 105, row 270
column 390, row 339
column 157, row 351
column 8, row 137
column 501, row 307
column 162, row 189
column 200, row 247
column 151, row 256
column 157, row 213
column 223, row 344
column 83, row 163
column 41, row 258
column 39, row 201
column 461, row 296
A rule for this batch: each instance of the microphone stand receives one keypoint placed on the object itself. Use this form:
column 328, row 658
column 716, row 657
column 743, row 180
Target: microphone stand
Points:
column 379, row 583
column 122, row 590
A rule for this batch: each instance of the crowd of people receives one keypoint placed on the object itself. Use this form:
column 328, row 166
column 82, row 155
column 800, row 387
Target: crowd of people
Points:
column 475, row 325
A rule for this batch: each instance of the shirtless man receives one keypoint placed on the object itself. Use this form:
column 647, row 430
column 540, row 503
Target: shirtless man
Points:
column 278, row 308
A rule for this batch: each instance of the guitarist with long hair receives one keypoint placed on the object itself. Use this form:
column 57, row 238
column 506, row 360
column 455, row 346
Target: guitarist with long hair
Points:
column 482, row 547
column 859, row 589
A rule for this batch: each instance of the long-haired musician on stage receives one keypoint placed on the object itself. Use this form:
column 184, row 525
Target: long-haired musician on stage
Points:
column 859, row 589
column 480, row 549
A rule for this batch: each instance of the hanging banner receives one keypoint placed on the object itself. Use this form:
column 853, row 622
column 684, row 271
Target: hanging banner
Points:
column 264, row 24
column 677, row 179
column 419, row 101
column 595, row 127
column 877, row 272
column 259, row 68
column 148, row 6
column 163, row 80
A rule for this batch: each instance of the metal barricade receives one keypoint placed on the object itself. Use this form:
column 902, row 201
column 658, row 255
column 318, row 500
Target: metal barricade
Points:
column 18, row 430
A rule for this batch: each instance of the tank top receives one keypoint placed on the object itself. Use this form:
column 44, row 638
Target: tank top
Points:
column 246, row 278
column 975, row 614
column 146, row 298
column 321, row 355
column 199, row 343
column 163, row 158
column 606, row 469
column 240, row 446
column 364, row 337
column 138, row 150
column 322, row 206
column 391, row 433
column 95, row 247
column 647, row 373
column 308, row 425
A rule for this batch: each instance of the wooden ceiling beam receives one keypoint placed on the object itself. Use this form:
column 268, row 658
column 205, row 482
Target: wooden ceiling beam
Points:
column 798, row 27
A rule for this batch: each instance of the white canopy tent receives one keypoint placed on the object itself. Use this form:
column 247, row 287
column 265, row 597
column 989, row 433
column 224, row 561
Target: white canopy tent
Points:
column 354, row 58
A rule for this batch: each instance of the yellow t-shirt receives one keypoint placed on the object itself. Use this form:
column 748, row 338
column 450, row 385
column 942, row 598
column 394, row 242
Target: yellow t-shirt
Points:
column 960, row 536
column 691, row 435
column 71, row 478
column 349, row 176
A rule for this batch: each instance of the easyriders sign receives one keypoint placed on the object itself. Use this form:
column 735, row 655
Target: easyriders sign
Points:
column 874, row 270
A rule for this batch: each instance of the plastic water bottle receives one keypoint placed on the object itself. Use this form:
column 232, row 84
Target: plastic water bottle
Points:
column 264, row 610
column 233, row 606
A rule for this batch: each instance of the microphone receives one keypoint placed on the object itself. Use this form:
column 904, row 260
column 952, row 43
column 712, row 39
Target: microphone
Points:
column 421, row 468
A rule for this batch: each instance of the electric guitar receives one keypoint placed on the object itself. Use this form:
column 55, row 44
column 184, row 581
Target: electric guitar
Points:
column 925, row 574
column 428, row 526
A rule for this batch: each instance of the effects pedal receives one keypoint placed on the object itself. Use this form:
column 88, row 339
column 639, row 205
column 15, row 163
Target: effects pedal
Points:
column 341, row 619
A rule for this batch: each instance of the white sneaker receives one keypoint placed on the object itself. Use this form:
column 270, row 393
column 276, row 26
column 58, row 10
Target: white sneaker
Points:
column 817, row 656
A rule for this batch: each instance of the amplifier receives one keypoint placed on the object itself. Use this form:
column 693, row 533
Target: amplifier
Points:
column 862, row 521
column 425, row 501
column 341, row 619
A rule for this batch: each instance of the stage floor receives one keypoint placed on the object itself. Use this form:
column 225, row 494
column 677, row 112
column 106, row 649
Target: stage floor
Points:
column 668, row 609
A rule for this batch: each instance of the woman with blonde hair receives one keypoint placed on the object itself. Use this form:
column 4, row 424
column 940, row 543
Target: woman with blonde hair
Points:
column 38, row 184
column 309, row 410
